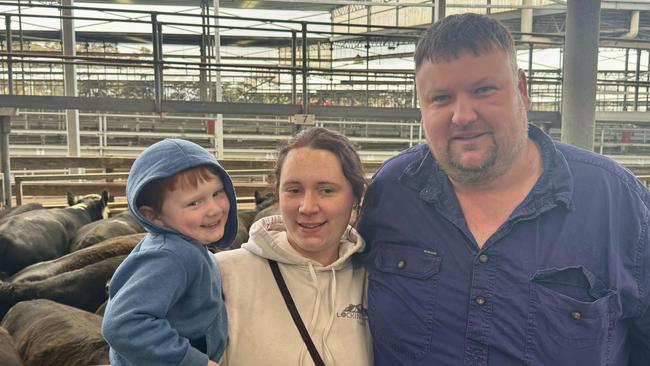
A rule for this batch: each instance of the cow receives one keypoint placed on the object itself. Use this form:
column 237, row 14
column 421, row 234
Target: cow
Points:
column 102, row 308
column 8, row 353
column 78, row 279
column 83, row 288
column 42, row 235
column 20, row 209
column 271, row 210
column 245, row 218
column 112, row 247
column 97, row 231
column 47, row 333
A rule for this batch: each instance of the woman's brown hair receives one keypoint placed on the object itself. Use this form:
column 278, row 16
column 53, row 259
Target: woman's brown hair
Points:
column 323, row 139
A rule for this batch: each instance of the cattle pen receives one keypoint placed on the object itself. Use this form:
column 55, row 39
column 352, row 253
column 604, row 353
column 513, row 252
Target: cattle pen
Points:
column 87, row 85
column 47, row 179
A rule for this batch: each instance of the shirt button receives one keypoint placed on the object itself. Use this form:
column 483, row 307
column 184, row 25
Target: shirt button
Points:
column 480, row 300
column 576, row 315
column 483, row 258
column 401, row 264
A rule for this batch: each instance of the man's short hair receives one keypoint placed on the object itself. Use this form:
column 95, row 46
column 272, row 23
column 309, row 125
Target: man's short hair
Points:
column 476, row 33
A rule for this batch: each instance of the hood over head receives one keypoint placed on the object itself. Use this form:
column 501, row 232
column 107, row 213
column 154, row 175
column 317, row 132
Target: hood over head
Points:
column 166, row 158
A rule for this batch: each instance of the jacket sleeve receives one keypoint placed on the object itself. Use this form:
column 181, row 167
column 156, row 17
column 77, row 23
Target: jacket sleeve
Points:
column 141, row 294
column 224, row 358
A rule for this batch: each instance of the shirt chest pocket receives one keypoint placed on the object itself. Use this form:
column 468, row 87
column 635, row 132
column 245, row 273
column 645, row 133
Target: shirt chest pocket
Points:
column 571, row 317
column 402, row 297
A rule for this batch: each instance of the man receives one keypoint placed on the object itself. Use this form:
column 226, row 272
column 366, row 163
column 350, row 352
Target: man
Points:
column 495, row 245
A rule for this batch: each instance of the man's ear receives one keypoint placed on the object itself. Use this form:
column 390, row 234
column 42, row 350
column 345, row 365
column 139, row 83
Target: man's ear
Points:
column 522, row 86
column 151, row 214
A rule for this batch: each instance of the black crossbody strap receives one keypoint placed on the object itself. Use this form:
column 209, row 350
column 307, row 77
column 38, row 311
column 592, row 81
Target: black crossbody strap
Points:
column 294, row 313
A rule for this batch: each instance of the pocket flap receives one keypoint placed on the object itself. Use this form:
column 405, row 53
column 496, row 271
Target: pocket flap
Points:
column 408, row 261
column 576, row 282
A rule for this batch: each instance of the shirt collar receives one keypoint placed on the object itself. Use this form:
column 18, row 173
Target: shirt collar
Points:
column 556, row 182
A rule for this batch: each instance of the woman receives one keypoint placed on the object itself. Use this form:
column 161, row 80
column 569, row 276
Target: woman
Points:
column 319, row 182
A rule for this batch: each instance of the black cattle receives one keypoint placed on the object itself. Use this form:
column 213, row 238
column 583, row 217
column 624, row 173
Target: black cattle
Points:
column 41, row 235
column 83, row 288
column 76, row 260
column 98, row 231
column 13, row 211
column 50, row 334
column 8, row 353
column 245, row 218
column 102, row 308
column 78, row 279
column 273, row 209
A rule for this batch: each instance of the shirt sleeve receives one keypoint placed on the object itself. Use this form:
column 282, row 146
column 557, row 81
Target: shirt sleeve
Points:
column 640, row 326
column 141, row 294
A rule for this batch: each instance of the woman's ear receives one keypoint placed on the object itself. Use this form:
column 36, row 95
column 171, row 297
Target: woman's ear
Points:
column 151, row 214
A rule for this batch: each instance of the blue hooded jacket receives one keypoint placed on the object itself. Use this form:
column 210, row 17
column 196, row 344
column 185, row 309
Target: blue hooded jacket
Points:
column 165, row 305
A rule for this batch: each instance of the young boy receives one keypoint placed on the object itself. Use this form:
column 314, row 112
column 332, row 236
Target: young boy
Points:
column 165, row 305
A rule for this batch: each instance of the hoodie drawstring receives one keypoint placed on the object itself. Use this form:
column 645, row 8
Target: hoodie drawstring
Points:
column 314, row 316
column 316, row 308
column 326, row 350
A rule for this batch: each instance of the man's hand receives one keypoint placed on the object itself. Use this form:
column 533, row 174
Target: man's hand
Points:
column 212, row 363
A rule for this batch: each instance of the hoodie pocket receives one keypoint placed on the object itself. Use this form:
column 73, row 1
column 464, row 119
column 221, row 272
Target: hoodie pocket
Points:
column 402, row 298
column 571, row 316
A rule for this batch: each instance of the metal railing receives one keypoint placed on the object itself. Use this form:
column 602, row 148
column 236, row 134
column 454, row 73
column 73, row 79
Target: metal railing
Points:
column 162, row 72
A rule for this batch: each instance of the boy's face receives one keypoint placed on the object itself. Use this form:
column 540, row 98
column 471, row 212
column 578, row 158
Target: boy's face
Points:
column 200, row 213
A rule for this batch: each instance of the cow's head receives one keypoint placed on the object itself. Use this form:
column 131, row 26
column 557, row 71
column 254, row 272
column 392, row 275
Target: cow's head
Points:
column 95, row 204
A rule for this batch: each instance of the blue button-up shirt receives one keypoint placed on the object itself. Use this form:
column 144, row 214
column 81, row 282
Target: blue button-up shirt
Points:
column 564, row 281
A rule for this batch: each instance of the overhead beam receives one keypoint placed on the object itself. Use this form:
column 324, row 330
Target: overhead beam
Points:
column 623, row 117
column 273, row 42
column 642, row 5
column 146, row 106
column 314, row 5
column 170, row 38
column 185, row 107
column 237, row 4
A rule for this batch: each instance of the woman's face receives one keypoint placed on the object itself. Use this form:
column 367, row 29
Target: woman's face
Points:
column 316, row 202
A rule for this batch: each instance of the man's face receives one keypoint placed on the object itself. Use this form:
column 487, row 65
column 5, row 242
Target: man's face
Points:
column 473, row 114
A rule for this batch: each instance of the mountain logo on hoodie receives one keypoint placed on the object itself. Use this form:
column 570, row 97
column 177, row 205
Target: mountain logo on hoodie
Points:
column 353, row 311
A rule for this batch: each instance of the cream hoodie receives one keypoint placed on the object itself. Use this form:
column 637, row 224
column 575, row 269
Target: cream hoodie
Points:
column 331, row 302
